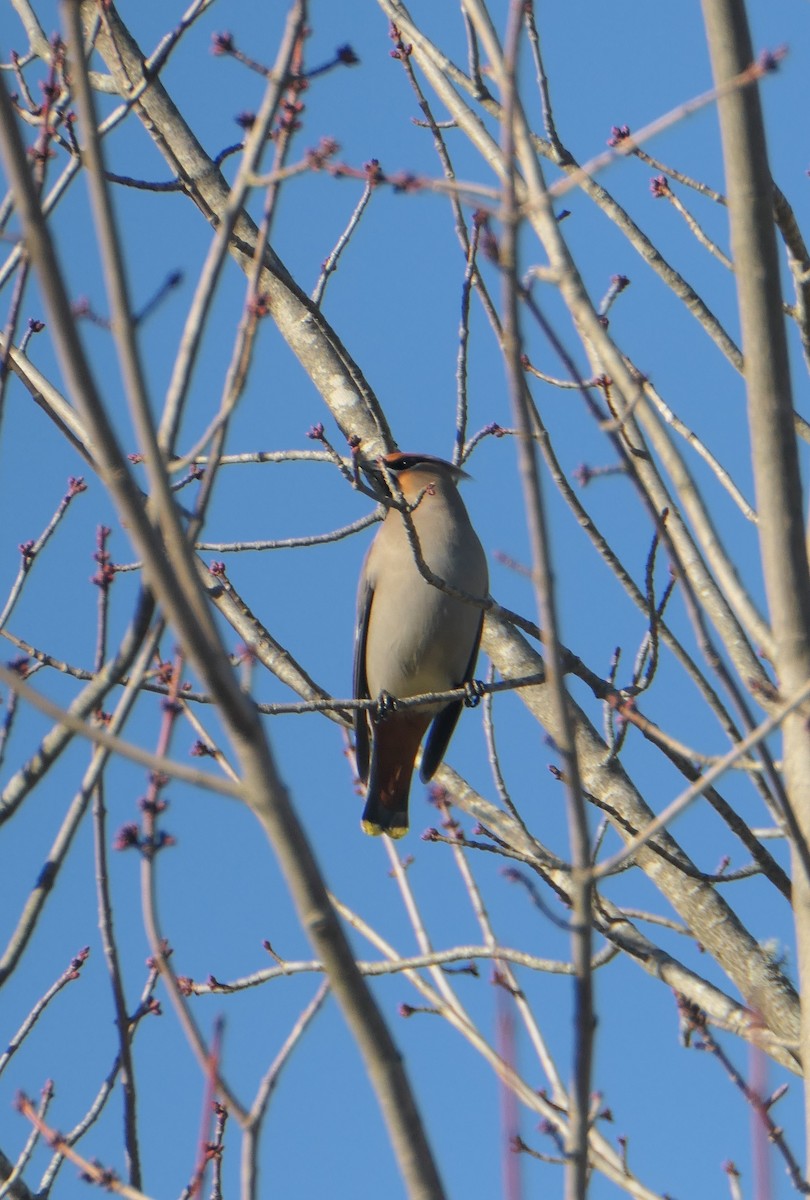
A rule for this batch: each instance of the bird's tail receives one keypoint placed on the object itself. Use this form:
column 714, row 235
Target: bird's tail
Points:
column 395, row 743
column 386, row 814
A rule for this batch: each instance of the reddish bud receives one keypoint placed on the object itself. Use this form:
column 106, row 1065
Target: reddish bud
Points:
column 618, row 134
column 127, row 838
column 222, row 43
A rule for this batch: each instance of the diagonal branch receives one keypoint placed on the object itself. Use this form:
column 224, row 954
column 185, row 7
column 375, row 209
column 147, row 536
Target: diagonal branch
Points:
column 186, row 607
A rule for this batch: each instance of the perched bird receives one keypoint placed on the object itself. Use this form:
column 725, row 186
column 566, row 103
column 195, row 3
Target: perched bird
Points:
column 411, row 636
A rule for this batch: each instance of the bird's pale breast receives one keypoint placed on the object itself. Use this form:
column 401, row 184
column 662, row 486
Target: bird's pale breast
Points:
column 419, row 638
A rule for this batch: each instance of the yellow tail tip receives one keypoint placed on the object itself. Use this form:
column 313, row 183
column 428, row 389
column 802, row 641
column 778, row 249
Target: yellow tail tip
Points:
column 373, row 829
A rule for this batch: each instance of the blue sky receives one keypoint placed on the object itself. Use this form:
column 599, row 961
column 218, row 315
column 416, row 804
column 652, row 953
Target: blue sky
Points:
column 395, row 302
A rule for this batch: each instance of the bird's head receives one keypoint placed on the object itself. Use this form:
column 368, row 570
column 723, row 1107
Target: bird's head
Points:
column 414, row 472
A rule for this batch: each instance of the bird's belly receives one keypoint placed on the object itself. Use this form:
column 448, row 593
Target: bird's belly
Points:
column 429, row 654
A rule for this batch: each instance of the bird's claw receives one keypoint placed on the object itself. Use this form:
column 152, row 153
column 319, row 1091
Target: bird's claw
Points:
column 385, row 706
column 473, row 691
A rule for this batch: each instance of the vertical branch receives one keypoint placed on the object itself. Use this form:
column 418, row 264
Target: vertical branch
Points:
column 250, row 1142
column 576, row 1181
column 209, row 277
column 470, row 271
column 164, row 510
column 776, row 467
column 103, row 580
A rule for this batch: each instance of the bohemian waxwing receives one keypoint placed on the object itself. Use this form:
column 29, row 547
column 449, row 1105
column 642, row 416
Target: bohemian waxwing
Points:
column 412, row 637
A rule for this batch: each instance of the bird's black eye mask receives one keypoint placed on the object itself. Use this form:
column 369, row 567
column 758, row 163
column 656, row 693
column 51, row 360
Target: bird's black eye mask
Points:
column 397, row 464
column 394, row 466
column 406, row 462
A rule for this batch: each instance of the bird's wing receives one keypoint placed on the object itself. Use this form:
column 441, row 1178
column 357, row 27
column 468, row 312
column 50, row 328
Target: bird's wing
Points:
column 361, row 727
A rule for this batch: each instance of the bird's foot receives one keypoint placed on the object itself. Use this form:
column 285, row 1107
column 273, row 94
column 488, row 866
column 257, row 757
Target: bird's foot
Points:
column 473, row 691
column 385, row 706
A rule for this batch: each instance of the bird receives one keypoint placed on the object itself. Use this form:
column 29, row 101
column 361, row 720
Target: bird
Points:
column 411, row 636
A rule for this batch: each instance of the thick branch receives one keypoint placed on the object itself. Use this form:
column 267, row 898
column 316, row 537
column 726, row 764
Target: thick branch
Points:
column 183, row 601
column 776, row 466
column 714, row 924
